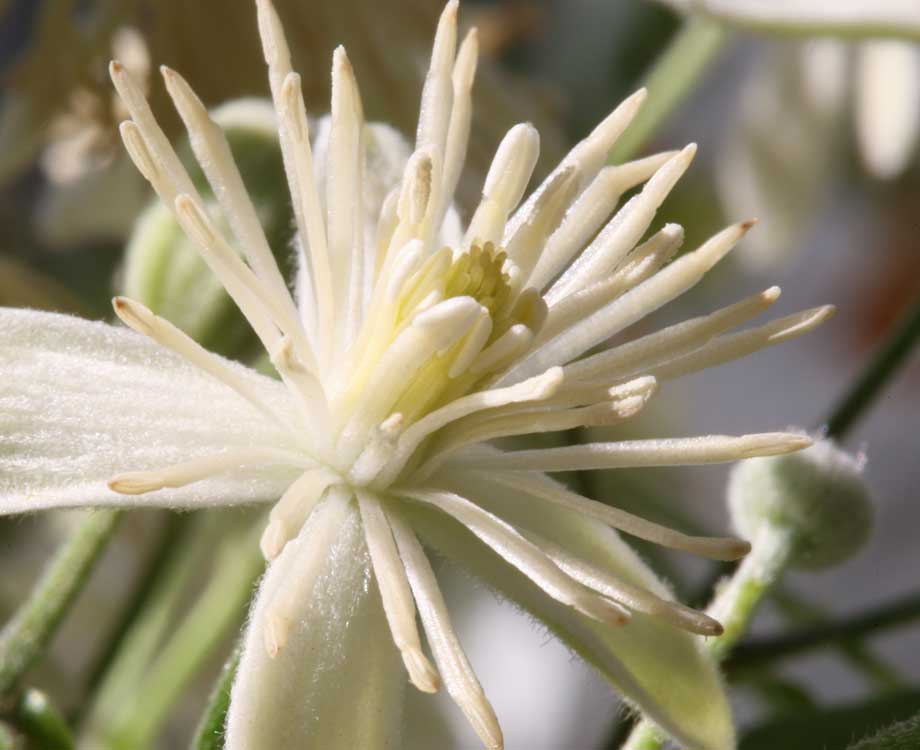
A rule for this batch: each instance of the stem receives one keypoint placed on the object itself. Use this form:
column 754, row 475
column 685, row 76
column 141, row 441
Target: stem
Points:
column 145, row 590
column 143, row 688
column 734, row 606
column 766, row 650
column 210, row 732
column 41, row 722
column 217, row 611
column 671, row 79
column 7, row 742
column 25, row 637
column 892, row 354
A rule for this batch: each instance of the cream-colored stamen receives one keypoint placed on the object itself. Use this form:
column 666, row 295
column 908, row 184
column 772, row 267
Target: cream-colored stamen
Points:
column 734, row 346
column 632, row 453
column 459, row 678
column 398, row 604
column 715, row 548
column 669, row 343
column 188, row 472
column 522, row 554
column 589, row 212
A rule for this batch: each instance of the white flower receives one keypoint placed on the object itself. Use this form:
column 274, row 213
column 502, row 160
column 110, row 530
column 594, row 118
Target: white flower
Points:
column 411, row 347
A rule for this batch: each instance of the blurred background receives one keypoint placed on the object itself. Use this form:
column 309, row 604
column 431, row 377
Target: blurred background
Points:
column 815, row 137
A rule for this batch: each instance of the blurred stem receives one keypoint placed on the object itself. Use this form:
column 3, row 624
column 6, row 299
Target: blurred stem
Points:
column 892, row 354
column 734, row 606
column 210, row 732
column 220, row 607
column 144, row 591
column 27, row 635
column 767, row 650
column 673, row 76
column 138, row 646
column 41, row 722
column 6, row 738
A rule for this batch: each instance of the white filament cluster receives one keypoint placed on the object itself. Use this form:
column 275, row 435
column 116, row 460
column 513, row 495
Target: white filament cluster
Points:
column 410, row 345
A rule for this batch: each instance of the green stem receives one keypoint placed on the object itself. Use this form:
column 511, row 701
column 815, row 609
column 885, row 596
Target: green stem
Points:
column 7, row 742
column 25, row 637
column 734, row 606
column 767, row 650
column 139, row 712
column 139, row 645
column 893, row 353
column 210, row 732
column 145, row 590
column 671, row 79
column 41, row 722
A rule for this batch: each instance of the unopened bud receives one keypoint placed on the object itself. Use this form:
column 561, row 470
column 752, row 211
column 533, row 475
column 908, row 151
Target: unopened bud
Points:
column 818, row 495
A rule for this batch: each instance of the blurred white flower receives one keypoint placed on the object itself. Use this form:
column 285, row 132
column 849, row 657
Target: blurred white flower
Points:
column 899, row 18
column 412, row 345
column 786, row 145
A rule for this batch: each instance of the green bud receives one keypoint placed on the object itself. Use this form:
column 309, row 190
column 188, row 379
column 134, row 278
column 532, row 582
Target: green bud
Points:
column 818, row 495
column 164, row 271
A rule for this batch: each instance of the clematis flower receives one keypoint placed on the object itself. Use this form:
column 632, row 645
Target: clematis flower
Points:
column 413, row 344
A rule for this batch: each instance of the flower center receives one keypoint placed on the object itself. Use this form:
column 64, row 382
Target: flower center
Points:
column 440, row 328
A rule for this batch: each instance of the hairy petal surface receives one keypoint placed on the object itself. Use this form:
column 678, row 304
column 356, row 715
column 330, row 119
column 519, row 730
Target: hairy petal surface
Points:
column 338, row 681
column 657, row 667
column 81, row 402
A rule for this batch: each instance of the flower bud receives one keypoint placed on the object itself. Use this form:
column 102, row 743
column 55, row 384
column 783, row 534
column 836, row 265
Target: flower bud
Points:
column 163, row 269
column 818, row 495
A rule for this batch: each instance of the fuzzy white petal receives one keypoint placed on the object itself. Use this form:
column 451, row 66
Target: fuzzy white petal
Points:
column 81, row 402
column 338, row 683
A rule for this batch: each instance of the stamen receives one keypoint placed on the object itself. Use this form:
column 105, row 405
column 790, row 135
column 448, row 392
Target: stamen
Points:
column 274, row 45
column 714, row 548
column 503, row 350
column 589, row 212
column 459, row 678
column 157, row 143
column 523, row 555
column 633, row 597
column 294, row 135
column 527, row 422
column 343, row 199
column 535, row 389
column 196, row 470
column 589, row 155
column 458, row 130
column 624, row 230
column 216, row 159
column 234, row 275
column 708, row 449
column 430, row 332
column 526, row 244
column 727, row 348
column 663, row 287
column 437, row 91
column 671, row 342
column 291, row 512
column 505, row 184
column 142, row 320
column 398, row 604
column 569, row 310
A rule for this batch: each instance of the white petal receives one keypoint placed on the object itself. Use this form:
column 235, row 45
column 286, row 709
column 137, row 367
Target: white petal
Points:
column 81, row 402
column 888, row 105
column 338, row 683
column 854, row 17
